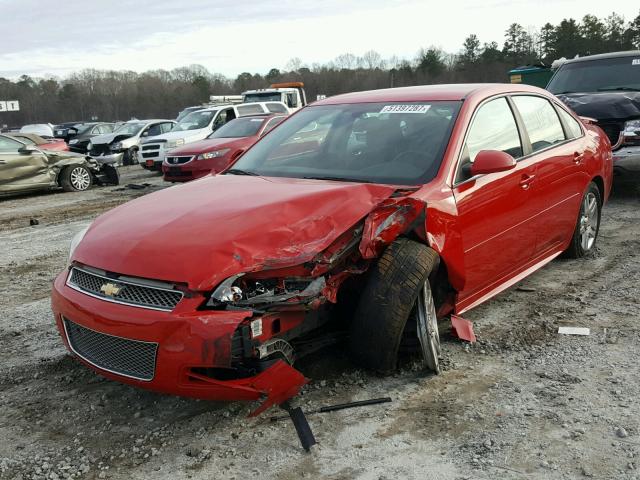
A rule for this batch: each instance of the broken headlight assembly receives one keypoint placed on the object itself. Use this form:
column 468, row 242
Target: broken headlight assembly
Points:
column 214, row 154
column 242, row 291
column 631, row 132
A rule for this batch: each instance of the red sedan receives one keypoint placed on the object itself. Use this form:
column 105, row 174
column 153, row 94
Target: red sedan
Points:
column 398, row 206
column 219, row 150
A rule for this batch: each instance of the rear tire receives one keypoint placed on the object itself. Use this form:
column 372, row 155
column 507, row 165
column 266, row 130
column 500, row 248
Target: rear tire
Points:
column 398, row 284
column 588, row 224
column 76, row 178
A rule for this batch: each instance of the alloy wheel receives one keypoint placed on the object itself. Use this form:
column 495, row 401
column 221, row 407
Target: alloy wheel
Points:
column 80, row 178
column 588, row 221
column 427, row 326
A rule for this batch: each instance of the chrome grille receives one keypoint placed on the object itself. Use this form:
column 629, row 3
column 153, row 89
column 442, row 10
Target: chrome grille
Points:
column 178, row 160
column 123, row 290
column 131, row 358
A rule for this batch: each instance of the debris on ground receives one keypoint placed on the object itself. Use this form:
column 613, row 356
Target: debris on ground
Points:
column 574, row 331
column 462, row 328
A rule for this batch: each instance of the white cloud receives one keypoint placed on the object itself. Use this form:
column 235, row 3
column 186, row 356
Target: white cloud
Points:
column 232, row 37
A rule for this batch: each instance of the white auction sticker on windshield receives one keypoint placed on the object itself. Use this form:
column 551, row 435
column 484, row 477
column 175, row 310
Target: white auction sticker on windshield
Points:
column 635, row 61
column 405, row 109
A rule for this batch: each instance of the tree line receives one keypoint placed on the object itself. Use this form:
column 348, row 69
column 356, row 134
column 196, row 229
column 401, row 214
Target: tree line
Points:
column 122, row 95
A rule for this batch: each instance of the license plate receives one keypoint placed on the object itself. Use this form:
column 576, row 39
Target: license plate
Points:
column 149, row 163
column 60, row 132
column 174, row 170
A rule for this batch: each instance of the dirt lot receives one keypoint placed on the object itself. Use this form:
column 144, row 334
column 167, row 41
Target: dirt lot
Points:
column 524, row 402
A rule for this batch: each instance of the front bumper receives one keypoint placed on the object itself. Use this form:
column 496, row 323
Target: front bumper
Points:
column 185, row 172
column 115, row 158
column 187, row 339
column 626, row 160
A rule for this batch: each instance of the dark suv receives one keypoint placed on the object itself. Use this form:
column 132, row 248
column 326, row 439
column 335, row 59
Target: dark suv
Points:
column 607, row 88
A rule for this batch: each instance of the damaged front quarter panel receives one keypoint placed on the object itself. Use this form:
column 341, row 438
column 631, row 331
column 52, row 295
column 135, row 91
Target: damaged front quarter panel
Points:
column 392, row 218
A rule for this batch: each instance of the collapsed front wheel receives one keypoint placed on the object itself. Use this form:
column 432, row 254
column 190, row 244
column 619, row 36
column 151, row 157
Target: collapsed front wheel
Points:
column 397, row 302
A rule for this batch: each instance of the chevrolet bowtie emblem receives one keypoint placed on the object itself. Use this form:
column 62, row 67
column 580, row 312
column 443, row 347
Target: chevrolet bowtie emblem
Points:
column 110, row 289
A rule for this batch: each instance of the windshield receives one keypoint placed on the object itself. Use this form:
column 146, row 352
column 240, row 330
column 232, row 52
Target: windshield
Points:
column 393, row 143
column 263, row 97
column 186, row 112
column 195, row 120
column 609, row 74
column 83, row 127
column 129, row 128
column 240, row 127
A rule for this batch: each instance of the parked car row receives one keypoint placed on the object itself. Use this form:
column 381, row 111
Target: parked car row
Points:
column 198, row 125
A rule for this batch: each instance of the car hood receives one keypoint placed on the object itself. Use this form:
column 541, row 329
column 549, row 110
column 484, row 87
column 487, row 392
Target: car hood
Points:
column 109, row 137
column 209, row 229
column 604, row 105
column 185, row 134
column 203, row 146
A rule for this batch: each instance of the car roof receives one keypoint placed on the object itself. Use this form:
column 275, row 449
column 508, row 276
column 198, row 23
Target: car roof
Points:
column 602, row 56
column 32, row 136
column 445, row 92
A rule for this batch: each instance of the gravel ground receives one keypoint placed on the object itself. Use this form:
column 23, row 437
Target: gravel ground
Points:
column 524, row 402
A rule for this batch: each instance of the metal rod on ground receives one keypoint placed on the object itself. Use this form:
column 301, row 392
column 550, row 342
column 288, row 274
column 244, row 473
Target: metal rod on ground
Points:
column 340, row 406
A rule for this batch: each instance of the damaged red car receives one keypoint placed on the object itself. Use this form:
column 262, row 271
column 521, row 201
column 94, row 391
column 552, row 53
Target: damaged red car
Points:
column 367, row 216
column 219, row 150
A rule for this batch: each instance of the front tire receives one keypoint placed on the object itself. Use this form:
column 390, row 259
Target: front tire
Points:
column 397, row 290
column 588, row 224
column 76, row 178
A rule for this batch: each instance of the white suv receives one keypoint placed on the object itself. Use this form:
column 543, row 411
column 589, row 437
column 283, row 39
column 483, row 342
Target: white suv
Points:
column 196, row 126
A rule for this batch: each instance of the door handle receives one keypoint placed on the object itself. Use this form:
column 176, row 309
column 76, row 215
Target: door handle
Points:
column 578, row 157
column 526, row 181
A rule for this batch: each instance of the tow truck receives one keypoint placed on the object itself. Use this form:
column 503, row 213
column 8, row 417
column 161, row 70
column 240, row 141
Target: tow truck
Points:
column 292, row 94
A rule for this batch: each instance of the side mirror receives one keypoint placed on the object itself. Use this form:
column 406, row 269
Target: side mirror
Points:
column 145, row 133
column 492, row 161
column 27, row 151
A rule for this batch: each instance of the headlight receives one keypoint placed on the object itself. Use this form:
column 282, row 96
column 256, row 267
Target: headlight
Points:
column 175, row 143
column 214, row 154
column 116, row 146
column 244, row 291
column 73, row 142
column 75, row 241
column 89, row 146
column 631, row 132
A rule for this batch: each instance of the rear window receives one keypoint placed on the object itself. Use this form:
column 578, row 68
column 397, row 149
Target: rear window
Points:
column 244, row 110
column 240, row 127
column 276, row 108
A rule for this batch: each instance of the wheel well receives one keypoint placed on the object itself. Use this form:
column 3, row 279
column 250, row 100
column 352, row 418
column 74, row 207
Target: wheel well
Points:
column 443, row 292
column 600, row 184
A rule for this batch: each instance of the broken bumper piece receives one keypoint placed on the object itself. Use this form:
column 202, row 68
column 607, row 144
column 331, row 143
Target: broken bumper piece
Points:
column 184, row 352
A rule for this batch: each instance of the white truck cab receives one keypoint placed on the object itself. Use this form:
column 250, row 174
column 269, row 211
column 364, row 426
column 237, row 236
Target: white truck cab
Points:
column 198, row 125
column 292, row 94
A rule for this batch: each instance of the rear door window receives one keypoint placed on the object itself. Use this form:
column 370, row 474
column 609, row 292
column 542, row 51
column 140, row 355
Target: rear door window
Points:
column 573, row 127
column 540, row 120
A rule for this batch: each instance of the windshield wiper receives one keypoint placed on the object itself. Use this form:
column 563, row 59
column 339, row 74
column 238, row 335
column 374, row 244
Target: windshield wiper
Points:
column 623, row 89
column 340, row 179
column 237, row 171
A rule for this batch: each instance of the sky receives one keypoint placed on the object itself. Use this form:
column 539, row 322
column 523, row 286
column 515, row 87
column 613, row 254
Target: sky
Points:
column 42, row 38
